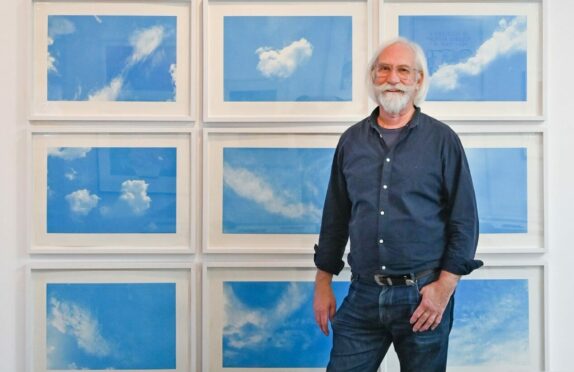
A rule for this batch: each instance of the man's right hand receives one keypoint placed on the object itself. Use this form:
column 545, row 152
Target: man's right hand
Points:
column 324, row 303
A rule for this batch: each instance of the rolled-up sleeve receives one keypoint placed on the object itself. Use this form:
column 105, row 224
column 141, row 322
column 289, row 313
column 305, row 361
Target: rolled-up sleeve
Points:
column 335, row 221
column 462, row 225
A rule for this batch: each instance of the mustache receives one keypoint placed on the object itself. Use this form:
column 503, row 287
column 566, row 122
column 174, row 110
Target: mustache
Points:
column 383, row 88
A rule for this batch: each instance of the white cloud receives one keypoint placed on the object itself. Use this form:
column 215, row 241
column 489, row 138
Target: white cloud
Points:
column 509, row 38
column 173, row 73
column 73, row 320
column 57, row 26
column 98, row 19
column 71, row 174
column 282, row 63
column 267, row 321
column 134, row 192
column 82, row 202
column 145, row 42
column 250, row 186
column 109, row 92
column 69, row 153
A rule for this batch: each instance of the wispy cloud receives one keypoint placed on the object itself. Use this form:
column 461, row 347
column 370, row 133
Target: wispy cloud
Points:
column 252, row 187
column 71, row 174
column 510, row 37
column 248, row 328
column 98, row 19
column 70, row 319
column 81, row 202
column 69, row 153
column 134, row 193
column 57, row 26
column 109, row 92
column 144, row 42
column 283, row 63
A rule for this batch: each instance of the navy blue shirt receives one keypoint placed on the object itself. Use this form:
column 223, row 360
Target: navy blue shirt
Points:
column 406, row 209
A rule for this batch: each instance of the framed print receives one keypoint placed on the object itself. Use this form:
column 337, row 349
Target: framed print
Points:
column 113, row 317
column 265, row 189
column 112, row 61
column 485, row 62
column 285, row 60
column 507, row 173
column 499, row 321
column 111, row 192
column 260, row 316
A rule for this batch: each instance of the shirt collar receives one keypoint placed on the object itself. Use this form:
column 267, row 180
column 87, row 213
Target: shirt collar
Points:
column 411, row 124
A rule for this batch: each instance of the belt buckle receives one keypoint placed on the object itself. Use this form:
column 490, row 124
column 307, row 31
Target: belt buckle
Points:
column 383, row 280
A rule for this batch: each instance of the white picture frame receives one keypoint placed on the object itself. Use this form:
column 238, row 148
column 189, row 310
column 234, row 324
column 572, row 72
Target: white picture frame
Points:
column 531, row 239
column 532, row 353
column 532, row 108
column 215, row 140
column 63, row 316
column 179, row 235
column 215, row 274
column 217, row 109
column 180, row 108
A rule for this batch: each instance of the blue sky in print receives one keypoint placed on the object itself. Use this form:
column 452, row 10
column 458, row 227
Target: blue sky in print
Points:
column 111, row 190
column 499, row 176
column 274, row 190
column 111, row 58
column 271, row 325
column 96, row 326
column 288, row 58
column 472, row 58
column 491, row 326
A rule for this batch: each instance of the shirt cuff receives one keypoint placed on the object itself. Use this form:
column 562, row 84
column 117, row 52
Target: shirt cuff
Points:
column 459, row 267
column 328, row 264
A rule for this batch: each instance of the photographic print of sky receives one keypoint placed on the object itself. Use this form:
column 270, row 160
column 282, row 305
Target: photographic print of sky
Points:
column 472, row 58
column 288, row 58
column 274, row 190
column 272, row 325
column 491, row 324
column 111, row 190
column 111, row 58
column 500, row 182
column 111, row 326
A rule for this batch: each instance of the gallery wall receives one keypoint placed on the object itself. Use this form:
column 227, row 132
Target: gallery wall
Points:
column 17, row 217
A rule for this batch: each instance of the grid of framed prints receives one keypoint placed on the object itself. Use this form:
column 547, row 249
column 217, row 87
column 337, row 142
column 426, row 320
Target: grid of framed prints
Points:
column 94, row 316
column 116, row 173
column 112, row 61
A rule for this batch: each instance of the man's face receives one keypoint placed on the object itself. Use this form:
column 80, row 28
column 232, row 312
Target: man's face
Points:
column 396, row 79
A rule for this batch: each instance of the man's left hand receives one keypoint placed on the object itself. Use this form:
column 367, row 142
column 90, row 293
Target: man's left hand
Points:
column 435, row 297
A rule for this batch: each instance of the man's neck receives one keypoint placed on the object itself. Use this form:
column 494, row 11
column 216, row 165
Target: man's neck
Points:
column 394, row 121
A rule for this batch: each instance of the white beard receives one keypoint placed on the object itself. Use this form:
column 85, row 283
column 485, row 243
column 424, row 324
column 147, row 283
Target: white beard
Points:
column 393, row 102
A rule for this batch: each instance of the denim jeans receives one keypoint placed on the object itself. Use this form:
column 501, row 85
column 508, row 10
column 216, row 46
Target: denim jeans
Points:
column 372, row 317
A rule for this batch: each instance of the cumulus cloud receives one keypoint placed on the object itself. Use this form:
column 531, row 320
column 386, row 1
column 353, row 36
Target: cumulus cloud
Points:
column 240, row 319
column 69, row 153
column 173, row 73
column 109, row 92
column 73, row 320
column 82, row 202
column 282, row 63
column 509, row 38
column 134, row 193
column 250, row 186
column 145, row 42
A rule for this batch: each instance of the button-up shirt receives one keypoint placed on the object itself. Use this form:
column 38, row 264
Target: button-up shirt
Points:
column 406, row 209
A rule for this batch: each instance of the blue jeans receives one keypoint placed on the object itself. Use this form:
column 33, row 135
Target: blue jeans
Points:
column 372, row 317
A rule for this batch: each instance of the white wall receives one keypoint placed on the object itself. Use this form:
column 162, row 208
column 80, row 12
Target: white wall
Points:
column 13, row 219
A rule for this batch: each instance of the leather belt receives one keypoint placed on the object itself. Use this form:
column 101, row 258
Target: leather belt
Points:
column 390, row 280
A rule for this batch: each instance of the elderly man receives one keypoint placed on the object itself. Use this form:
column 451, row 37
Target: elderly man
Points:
column 401, row 190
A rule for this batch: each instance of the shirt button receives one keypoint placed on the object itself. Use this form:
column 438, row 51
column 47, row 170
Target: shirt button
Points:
column 382, row 213
column 380, row 136
column 388, row 160
column 385, row 187
column 383, row 267
column 381, row 241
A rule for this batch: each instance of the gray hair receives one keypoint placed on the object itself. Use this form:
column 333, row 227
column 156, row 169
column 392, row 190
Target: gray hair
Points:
column 420, row 62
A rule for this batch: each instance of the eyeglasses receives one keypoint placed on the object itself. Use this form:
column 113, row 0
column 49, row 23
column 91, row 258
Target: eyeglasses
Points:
column 383, row 70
